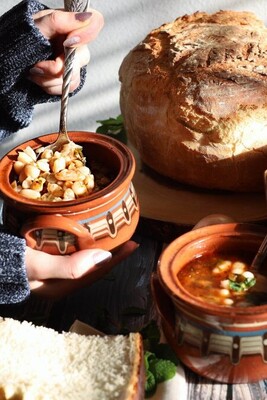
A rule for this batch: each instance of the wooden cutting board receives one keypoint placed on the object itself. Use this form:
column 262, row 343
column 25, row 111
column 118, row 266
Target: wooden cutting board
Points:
column 164, row 200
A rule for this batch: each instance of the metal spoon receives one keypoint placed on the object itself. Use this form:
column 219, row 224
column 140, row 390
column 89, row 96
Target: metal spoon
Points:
column 74, row 6
column 260, row 256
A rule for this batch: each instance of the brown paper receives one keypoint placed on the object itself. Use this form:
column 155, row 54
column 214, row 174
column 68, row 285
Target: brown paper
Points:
column 84, row 329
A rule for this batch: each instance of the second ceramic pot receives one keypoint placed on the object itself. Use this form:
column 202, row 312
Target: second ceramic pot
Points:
column 226, row 344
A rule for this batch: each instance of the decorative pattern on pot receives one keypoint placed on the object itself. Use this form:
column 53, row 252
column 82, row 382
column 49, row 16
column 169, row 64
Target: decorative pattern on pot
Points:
column 234, row 344
column 107, row 224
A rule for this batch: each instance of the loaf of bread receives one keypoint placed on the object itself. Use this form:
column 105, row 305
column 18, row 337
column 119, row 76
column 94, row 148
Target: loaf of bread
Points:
column 38, row 363
column 194, row 100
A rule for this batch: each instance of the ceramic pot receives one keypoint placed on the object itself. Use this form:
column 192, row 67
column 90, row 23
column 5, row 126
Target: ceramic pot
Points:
column 226, row 344
column 105, row 219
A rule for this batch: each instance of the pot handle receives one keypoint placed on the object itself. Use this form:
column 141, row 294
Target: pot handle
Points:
column 84, row 238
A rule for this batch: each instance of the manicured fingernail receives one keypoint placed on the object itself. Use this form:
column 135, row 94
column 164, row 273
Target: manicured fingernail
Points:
column 101, row 256
column 71, row 41
column 36, row 71
column 83, row 16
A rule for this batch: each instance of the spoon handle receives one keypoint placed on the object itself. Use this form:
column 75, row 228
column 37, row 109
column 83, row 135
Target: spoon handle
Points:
column 260, row 256
column 74, row 6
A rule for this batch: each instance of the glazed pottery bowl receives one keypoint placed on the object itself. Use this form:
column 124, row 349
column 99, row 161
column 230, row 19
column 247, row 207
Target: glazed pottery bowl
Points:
column 104, row 219
column 223, row 343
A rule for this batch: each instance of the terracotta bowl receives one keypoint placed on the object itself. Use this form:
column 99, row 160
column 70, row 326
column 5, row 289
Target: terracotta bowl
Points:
column 105, row 219
column 226, row 344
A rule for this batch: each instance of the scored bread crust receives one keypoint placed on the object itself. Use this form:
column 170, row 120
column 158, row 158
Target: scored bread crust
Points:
column 194, row 100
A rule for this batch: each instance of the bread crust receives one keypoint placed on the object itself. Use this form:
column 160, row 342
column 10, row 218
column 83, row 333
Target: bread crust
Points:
column 136, row 386
column 194, row 100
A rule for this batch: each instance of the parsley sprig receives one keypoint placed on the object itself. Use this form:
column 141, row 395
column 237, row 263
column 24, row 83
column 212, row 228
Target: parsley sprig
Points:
column 160, row 361
column 113, row 127
column 241, row 286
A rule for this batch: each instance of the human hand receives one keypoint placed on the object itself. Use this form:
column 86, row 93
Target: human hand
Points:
column 68, row 29
column 57, row 276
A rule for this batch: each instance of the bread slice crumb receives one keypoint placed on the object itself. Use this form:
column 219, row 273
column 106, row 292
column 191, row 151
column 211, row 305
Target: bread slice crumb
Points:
column 38, row 363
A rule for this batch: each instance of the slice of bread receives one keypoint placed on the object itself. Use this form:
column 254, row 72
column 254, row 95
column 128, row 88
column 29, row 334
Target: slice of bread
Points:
column 38, row 363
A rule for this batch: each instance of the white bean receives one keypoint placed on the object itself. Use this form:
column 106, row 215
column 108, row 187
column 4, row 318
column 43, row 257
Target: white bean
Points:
column 55, row 189
column 224, row 292
column 26, row 184
column 47, row 154
column 31, row 171
column 30, row 152
column 59, row 175
column 69, row 175
column 79, row 188
column 43, row 165
column 238, row 268
column 224, row 265
column 248, row 275
column 38, row 184
column 225, row 284
column 228, row 302
column 69, row 194
column 59, row 164
column 24, row 158
column 18, row 167
column 30, row 194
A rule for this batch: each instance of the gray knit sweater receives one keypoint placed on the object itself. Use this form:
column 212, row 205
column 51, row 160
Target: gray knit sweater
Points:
column 21, row 46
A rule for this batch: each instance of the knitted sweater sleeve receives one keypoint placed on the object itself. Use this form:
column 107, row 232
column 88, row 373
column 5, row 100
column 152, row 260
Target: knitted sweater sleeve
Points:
column 21, row 46
column 14, row 286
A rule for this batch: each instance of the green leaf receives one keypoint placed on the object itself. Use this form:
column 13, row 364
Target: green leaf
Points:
column 113, row 127
column 112, row 121
column 150, row 385
column 148, row 358
column 162, row 370
column 161, row 364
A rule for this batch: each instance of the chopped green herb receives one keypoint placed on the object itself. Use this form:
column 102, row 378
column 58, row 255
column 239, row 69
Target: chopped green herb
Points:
column 243, row 285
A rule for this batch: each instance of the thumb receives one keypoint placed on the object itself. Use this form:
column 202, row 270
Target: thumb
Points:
column 42, row 265
column 81, row 262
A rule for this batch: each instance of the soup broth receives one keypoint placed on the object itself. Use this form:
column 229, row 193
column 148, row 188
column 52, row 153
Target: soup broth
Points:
column 224, row 281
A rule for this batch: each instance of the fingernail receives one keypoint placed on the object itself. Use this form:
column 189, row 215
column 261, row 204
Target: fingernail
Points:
column 36, row 71
column 83, row 16
column 101, row 256
column 71, row 41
